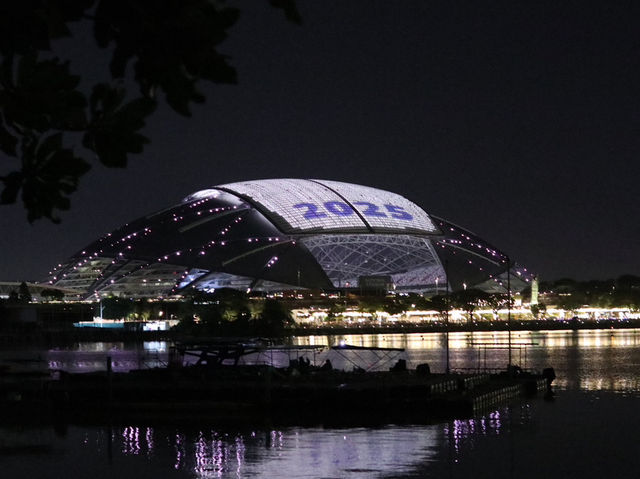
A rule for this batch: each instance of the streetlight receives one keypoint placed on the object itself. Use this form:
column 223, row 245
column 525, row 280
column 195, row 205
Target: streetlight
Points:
column 509, row 306
column 446, row 317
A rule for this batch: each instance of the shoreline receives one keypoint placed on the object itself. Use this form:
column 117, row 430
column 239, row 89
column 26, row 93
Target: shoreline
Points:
column 66, row 337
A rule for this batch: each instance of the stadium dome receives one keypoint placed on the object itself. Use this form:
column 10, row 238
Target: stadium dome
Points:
column 284, row 234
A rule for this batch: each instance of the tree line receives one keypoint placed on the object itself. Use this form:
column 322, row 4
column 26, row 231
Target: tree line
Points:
column 225, row 312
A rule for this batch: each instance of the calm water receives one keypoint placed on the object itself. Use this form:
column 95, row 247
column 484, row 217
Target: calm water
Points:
column 589, row 431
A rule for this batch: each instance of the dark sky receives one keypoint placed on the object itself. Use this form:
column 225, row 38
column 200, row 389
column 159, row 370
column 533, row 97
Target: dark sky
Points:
column 517, row 120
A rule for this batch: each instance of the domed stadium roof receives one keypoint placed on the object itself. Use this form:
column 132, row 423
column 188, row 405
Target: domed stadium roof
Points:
column 283, row 234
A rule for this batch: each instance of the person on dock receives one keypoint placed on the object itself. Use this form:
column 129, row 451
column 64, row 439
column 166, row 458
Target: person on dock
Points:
column 327, row 366
column 400, row 365
column 304, row 364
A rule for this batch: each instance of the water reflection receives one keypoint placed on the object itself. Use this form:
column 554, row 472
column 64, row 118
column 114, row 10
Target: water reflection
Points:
column 587, row 359
column 87, row 357
column 596, row 429
column 461, row 340
column 206, row 453
column 461, row 430
column 581, row 434
column 463, row 434
column 604, row 359
column 211, row 453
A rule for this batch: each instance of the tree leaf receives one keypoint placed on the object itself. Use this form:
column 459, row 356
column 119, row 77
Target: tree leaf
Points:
column 29, row 25
column 49, row 173
column 290, row 10
column 113, row 131
column 12, row 183
column 44, row 96
column 169, row 45
column 8, row 142
column 173, row 44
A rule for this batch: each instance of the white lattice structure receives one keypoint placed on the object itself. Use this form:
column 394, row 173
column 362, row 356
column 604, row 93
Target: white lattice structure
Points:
column 410, row 260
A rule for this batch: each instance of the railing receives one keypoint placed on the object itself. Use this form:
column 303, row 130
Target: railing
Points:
column 481, row 364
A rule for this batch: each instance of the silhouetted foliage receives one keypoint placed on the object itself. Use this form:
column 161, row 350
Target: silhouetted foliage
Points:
column 372, row 304
column 115, row 308
column 538, row 310
column 52, row 294
column 335, row 311
column 440, row 303
column 468, row 300
column 395, row 307
column 628, row 282
column 222, row 312
column 273, row 319
column 24, row 295
column 571, row 294
column 496, row 301
column 167, row 46
column 211, row 319
column 13, row 298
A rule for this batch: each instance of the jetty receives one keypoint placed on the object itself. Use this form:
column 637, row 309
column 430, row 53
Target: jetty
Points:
column 218, row 388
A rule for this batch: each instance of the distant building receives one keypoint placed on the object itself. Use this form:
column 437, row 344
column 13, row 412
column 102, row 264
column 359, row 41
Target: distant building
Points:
column 375, row 284
column 534, row 290
column 284, row 234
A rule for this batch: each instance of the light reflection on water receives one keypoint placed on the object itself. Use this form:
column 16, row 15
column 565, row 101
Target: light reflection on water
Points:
column 589, row 431
column 87, row 357
column 586, row 360
column 606, row 359
column 183, row 452
column 134, row 451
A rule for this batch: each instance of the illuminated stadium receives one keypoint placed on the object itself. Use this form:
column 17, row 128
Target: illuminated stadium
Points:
column 287, row 234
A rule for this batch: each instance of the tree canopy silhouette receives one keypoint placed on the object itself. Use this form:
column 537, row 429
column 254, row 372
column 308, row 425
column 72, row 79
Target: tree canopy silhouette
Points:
column 163, row 46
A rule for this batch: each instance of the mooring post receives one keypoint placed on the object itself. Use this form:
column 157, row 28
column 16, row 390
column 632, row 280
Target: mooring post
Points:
column 267, row 391
column 109, row 380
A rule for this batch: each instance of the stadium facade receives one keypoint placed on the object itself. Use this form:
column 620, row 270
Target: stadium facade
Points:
column 284, row 234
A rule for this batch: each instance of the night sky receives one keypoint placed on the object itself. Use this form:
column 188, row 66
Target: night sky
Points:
column 519, row 121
